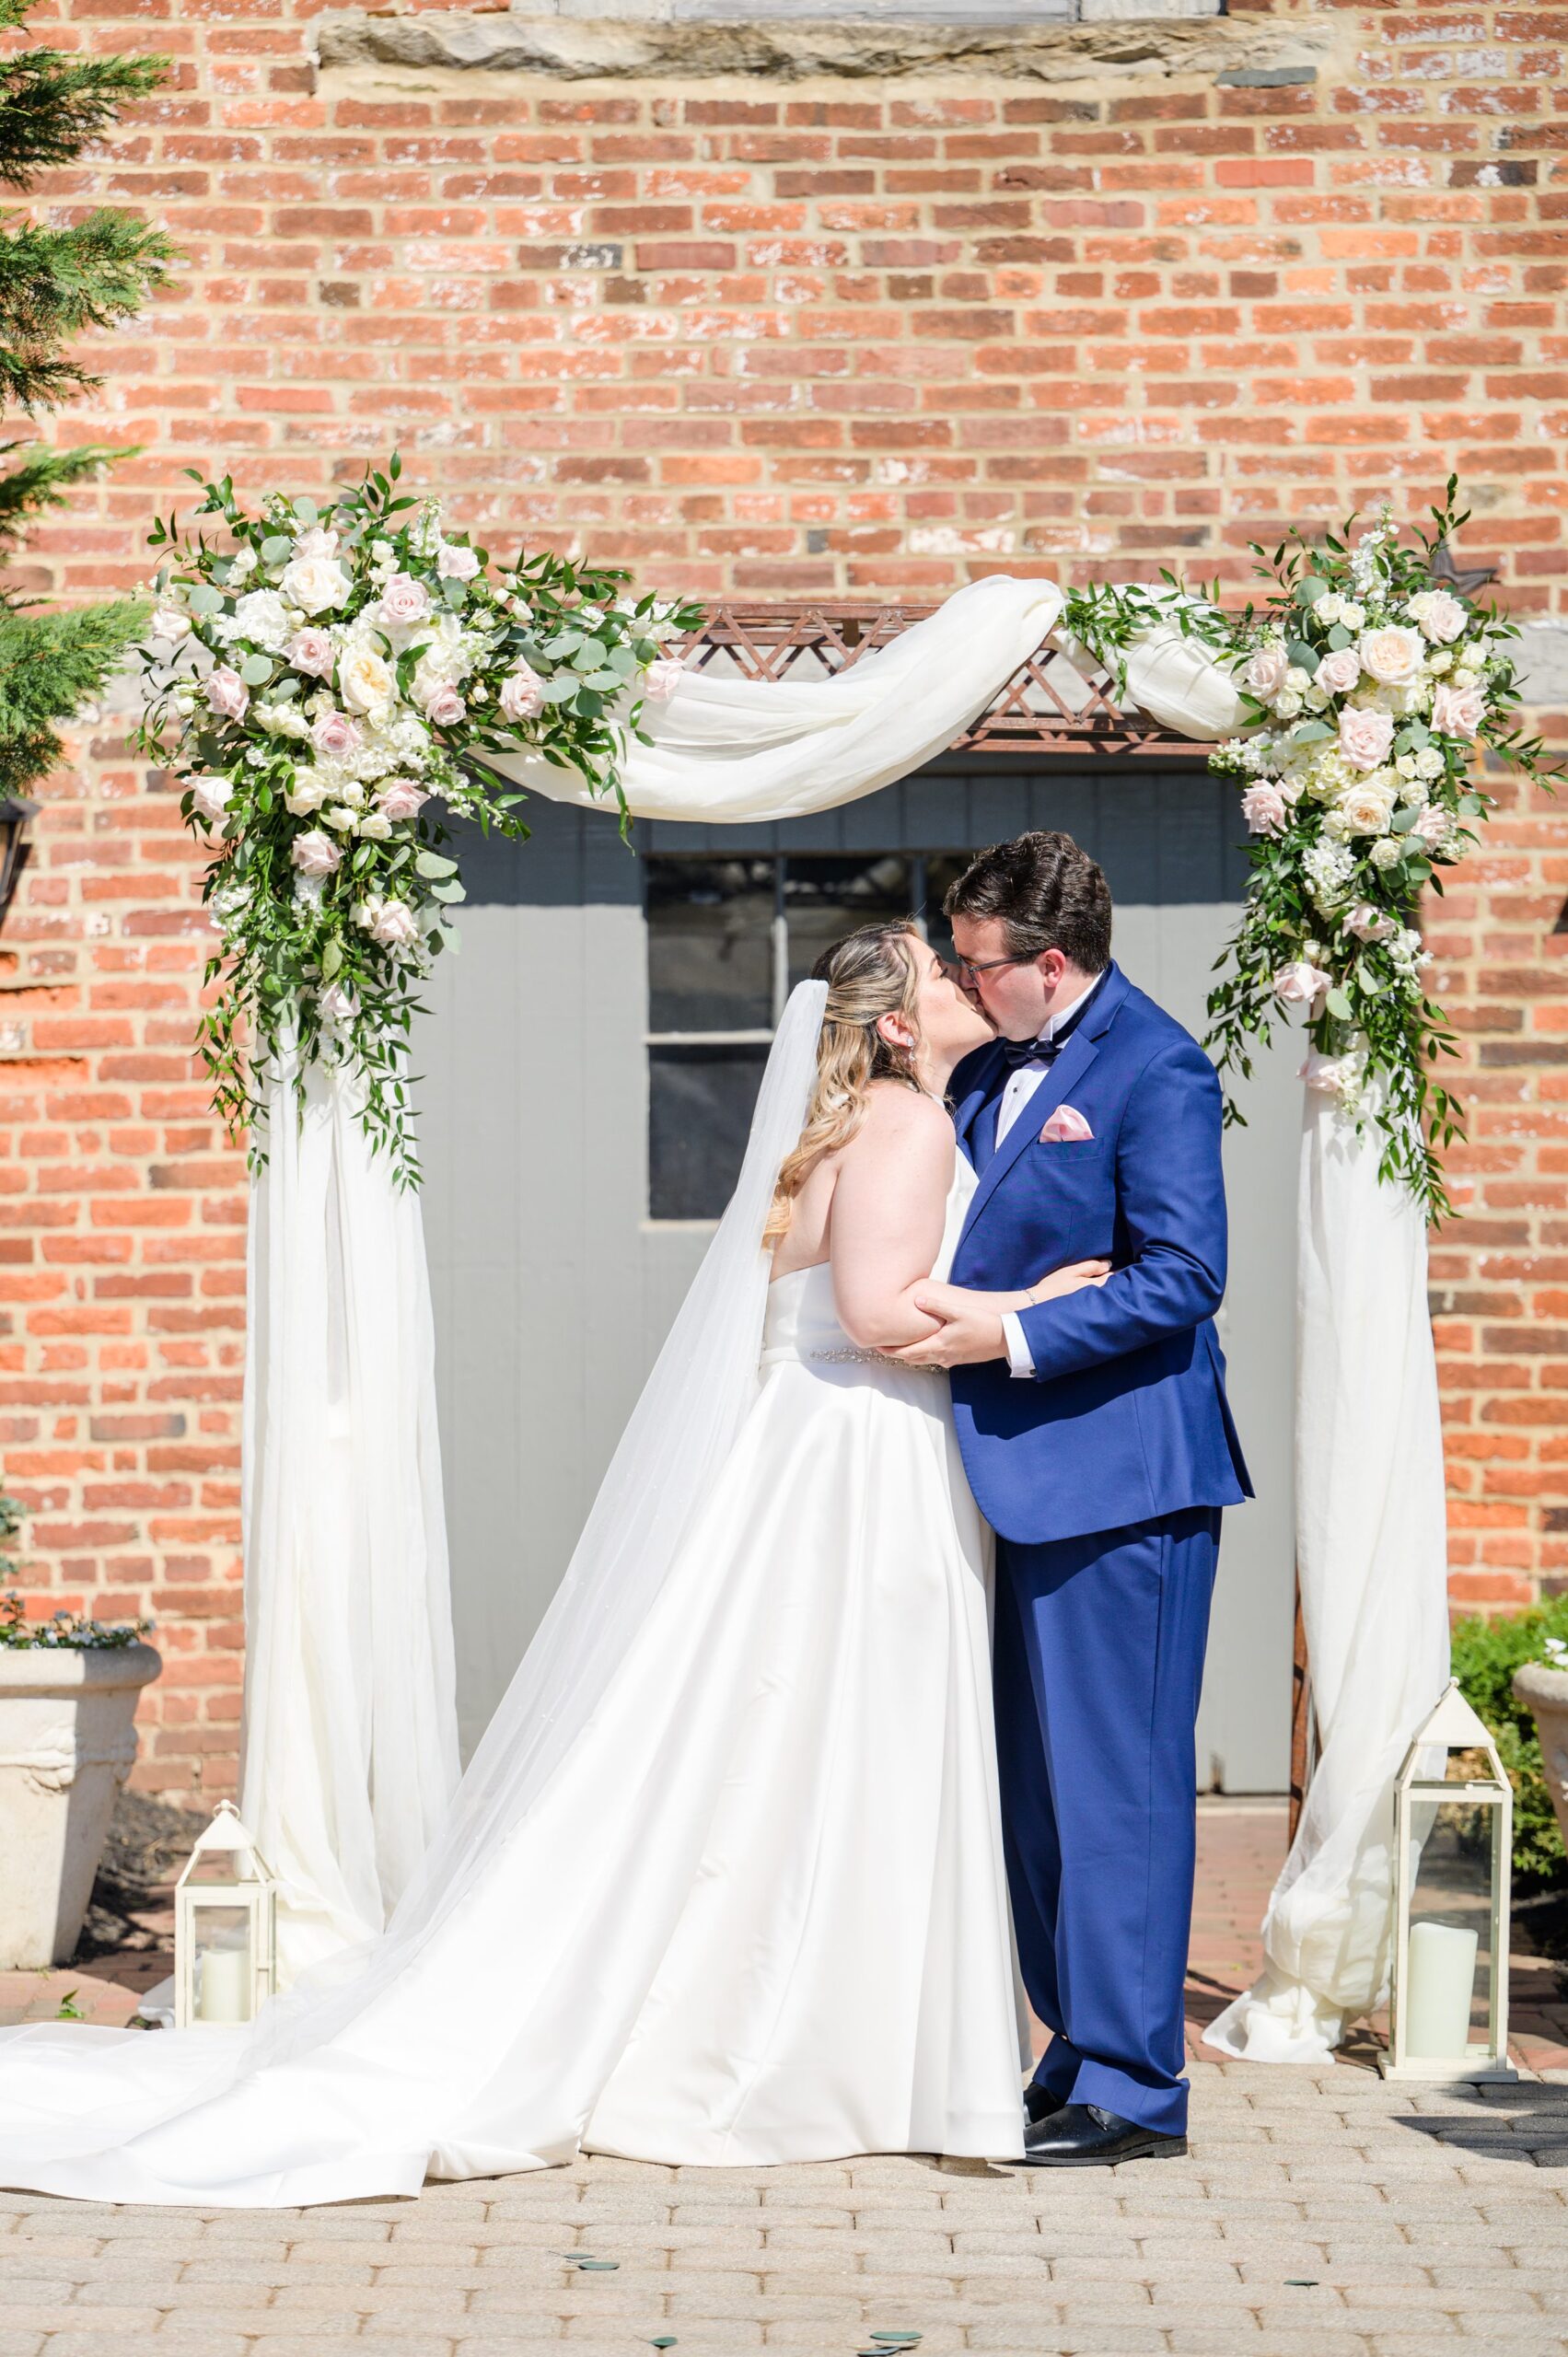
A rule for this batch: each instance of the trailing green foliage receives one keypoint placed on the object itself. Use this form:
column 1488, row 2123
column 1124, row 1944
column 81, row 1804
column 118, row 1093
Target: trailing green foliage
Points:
column 1485, row 1655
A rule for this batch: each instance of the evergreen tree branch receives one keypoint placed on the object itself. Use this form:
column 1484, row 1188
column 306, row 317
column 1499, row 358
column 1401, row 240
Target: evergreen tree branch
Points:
column 39, row 482
column 59, row 284
column 50, row 665
column 54, row 105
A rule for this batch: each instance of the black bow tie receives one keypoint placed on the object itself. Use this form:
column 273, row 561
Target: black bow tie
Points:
column 1018, row 1054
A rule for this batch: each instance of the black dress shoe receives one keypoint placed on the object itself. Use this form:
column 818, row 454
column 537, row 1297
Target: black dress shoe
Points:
column 1081, row 2136
column 1039, row 2103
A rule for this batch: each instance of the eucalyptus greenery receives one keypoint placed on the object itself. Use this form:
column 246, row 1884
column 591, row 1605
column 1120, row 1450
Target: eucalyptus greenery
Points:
column 1368, row 686
column 325, row 681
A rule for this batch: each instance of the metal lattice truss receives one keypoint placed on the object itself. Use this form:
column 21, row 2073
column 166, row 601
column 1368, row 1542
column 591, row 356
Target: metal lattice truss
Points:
column 1049, row 706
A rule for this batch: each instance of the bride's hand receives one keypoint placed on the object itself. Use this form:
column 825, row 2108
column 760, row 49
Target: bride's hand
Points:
column 1072, row 1279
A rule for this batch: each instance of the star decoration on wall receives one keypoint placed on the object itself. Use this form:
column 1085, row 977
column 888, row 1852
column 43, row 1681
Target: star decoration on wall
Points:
column 1465, row 583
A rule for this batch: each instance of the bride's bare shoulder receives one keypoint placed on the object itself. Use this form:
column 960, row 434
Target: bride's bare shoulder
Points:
column 897, row 1117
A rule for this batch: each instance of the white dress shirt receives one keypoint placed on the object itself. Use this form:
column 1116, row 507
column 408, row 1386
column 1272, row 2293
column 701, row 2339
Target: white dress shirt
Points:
column 1021, row 1085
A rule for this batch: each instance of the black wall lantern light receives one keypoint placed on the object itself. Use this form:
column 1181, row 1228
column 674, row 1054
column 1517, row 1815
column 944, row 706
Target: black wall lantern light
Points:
column 13, row 846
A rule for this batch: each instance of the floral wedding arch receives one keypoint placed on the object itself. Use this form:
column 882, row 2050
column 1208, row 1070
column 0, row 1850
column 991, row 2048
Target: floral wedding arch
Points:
column 327, row 682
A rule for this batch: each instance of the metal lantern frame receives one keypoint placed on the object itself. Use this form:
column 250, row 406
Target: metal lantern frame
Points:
column 254, row 1891
column 1453, row 1725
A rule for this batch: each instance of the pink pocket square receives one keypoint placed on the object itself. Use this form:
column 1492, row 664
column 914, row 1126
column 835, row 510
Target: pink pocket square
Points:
column 1065, row 1127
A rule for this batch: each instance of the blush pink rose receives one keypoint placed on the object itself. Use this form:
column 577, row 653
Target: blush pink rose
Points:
column 394, row 925
column 401, row 798
column 315, row 853
column 1369, row 924
column 335, row 735
column 1339, row 671
column 455, row 564
column 227, row 693
column 311, row 651
column 1366, row 738
column 1264, row 809
column 1265, row 674
column 522, row 693
column 209, row 797
column 405, row 600
column 1434, row 825
column 662, row 677
column 1458, row 712
column 446, row 708
column 1301, row 984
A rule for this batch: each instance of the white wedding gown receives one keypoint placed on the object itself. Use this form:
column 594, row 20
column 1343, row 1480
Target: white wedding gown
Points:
column 758, row 1914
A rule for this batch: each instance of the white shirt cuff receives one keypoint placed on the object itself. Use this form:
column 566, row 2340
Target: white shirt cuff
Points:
column 1018, row 1357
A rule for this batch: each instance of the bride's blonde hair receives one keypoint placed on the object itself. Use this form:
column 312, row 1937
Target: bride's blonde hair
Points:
column 869, row 974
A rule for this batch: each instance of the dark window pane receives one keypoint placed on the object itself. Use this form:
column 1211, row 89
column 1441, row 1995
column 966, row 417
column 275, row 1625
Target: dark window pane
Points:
column 943, row 870
column 710, row 945
column 826, row 897
column 700, row 1106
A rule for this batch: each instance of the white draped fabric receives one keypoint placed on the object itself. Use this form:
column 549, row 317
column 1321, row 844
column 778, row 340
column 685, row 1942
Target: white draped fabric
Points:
column 1372, row 1548
column 350, row 1743
column 350, row 1732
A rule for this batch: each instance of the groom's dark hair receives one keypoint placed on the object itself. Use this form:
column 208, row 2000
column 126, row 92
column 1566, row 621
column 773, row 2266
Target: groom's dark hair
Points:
column 1047, row 894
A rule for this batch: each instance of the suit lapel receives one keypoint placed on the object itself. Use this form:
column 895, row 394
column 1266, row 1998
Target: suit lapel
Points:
column 1077, row 1055
column 975, row 1132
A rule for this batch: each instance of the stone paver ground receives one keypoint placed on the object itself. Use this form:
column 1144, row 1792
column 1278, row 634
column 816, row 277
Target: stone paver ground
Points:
column 1319, row 2214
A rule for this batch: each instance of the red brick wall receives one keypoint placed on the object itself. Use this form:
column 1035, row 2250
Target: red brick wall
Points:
column 785, row 338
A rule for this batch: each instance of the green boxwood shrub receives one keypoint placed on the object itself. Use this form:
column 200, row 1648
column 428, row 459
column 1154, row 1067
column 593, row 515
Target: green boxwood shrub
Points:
column 1486, row 1654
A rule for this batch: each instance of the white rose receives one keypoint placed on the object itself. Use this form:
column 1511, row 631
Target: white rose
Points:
column 337, row 1005
column 314, row 582
column 315, row 854
column 1392, row 655
column 1331, row 609
column 1287, row 703
column 169, row 624
column 365, row 682
column 1352, row 615
column 1386, row 851
column 341, row 816
column 241, row 565
column 307, row 794
column 455, row 564
column 377, row 825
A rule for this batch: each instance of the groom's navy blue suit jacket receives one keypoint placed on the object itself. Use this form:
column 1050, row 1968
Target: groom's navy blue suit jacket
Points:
column 1126, row 1416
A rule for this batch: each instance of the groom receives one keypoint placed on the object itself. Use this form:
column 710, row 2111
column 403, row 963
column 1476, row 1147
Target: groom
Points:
column 1098, row 1441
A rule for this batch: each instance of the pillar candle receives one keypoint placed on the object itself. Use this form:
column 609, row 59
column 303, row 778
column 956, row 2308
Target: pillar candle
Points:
column 225, row 1985
column 1438, row 1992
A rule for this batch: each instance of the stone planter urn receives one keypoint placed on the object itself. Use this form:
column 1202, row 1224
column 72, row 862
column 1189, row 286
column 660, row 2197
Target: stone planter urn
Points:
column 67, row 1740
column 1544, row 1691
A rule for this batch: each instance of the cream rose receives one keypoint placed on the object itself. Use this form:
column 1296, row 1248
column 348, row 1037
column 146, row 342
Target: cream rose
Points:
column 1366, row 808
column 1366, row 738
column 365, row 682
column 307, row 794
column 1392, row 655
column 1458, row 712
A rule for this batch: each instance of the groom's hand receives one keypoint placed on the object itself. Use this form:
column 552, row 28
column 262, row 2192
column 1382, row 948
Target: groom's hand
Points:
column 966, row 1338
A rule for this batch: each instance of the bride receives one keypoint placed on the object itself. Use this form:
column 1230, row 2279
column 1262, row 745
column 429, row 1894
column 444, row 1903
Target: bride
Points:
column 724, row 1882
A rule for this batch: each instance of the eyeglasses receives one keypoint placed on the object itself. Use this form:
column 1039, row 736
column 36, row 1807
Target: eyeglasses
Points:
column 971, row 966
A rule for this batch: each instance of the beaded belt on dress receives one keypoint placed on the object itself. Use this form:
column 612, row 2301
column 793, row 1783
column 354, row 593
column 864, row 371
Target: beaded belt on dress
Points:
column 779, row 1356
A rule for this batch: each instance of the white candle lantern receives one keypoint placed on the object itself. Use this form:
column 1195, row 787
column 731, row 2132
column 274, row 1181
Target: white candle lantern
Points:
column 224, row 1927
column 1453, row 1855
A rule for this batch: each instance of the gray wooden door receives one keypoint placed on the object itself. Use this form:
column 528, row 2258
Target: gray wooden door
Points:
column 553, row 1285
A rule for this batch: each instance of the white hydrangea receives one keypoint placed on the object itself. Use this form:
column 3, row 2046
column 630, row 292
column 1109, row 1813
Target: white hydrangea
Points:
column 1329, row 868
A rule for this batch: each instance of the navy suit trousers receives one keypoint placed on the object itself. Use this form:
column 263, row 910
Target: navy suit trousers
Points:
column 1098, row 1665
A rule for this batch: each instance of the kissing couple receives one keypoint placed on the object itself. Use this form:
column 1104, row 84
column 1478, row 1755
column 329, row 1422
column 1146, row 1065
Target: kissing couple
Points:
column 870, row 1691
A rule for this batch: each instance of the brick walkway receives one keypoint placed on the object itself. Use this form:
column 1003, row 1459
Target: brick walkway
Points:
column 1321, row 2214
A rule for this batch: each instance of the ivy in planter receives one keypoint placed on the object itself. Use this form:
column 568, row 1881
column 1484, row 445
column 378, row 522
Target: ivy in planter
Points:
column 61, row 1628
column 1485, row 1655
